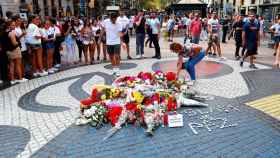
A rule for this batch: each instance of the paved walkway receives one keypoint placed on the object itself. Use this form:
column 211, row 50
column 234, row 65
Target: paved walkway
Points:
column 36, row 117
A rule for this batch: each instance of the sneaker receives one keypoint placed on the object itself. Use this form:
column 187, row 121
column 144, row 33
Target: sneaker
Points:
column 138, row 57
column 22, row 80
column 50, row 71
column 206, row 57
column 43, row 73
column 54, row 69
column 214, row 54
column 13, row 82
column 57, row 66
column 241, row 62
column 237, row 58
column 129, row 57
column 209, row 53
column 98, row 58
column 1, row 81
column 143, row 56
column 223, row 58
column 253, row 66
column 36, row 74
column 191, row 83
column 116, row 72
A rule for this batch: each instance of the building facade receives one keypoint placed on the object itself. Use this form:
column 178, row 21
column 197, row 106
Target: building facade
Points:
column 41, row 7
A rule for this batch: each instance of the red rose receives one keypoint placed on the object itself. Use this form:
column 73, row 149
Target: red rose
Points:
column 171, row 76
column 114, row 114
column 131, row 107
column 86, row 103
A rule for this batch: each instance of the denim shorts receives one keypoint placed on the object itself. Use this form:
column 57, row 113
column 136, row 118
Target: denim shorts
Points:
column 276, row 39
column 49, row 45
column 34, row 46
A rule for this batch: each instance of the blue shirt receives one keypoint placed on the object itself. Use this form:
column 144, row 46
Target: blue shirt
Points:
column 251, row 30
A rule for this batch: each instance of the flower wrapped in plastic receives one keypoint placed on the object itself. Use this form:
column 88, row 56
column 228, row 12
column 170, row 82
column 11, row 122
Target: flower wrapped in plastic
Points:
column 159, row 76
column 94, row 116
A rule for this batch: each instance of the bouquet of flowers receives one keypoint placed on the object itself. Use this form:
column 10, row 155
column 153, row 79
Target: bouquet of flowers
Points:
column 94, row 116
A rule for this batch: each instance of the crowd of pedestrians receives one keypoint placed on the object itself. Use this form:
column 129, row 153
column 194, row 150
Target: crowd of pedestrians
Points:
column 40, row 45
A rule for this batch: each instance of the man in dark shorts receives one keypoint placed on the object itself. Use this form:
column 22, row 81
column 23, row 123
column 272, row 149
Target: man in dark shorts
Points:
column 237, row 29
column 250, row 39
column 114, row 33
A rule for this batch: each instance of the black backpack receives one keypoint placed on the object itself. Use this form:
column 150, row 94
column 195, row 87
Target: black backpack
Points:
column 8, row 42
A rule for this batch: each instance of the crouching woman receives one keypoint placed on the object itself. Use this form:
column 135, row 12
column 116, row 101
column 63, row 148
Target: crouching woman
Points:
column 194, row 52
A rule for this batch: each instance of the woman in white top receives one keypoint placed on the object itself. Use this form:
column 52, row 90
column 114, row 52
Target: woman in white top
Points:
column 33, row 39
column 49, row 39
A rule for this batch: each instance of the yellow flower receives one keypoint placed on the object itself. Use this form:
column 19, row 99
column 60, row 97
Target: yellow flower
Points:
column 103, row 97
column 138, row 97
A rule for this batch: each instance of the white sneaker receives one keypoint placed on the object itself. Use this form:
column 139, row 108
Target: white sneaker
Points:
column 1, row 81
column 223, row 58
column 22, row 80
column 116, row 72
column 50, row 71
column 191, row 83
column 57, row 66
column 143, row 56
column 36, row 74
column 138, row 56
column 206, row 57
column 13, row 82
column 54, row 69
column 43, row 73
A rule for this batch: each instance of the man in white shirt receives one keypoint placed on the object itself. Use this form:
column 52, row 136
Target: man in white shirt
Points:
column 114, row 34
column 124, row 21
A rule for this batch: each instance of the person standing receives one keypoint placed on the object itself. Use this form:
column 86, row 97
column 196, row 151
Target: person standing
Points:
column 251, row 40
column 225, row 26
column 140, row 34
column 214, row 37
column 276, row 34
column 78, row 26
column 195, row 29
column 3, row 55
column 14, row 55
column 155, row 26
column 86, row 34
column 170, row 28
column 237, row 29
column 59, row 38
column 124, row 21
column 49, row 39
column 34, row 42
column 114, row 34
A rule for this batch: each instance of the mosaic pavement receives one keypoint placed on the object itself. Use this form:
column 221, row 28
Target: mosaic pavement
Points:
column 36, row 118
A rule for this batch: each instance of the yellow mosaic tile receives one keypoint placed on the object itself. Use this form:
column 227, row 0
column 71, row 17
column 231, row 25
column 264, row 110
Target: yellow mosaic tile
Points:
column 269, row 105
